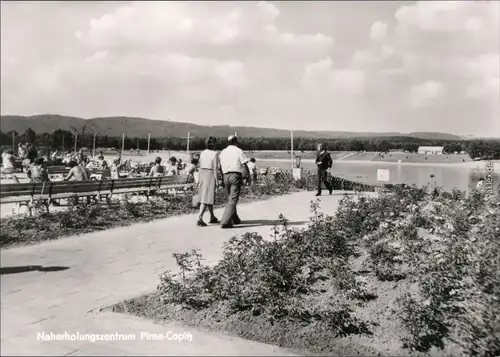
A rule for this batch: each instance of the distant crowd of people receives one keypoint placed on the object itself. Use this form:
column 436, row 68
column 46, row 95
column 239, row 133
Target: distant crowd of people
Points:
column 81, row 165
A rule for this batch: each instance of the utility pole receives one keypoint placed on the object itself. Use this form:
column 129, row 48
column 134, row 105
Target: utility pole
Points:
column 189, row 134
column 76, row 140
column 291, row 139
column 149, row 140
column 93, row 147
column 14, row 141
column 123, row 144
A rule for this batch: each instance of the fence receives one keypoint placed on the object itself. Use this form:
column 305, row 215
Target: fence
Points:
column 309, row 180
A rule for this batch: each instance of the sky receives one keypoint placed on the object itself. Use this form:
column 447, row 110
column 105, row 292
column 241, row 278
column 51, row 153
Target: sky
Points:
column 344, row 66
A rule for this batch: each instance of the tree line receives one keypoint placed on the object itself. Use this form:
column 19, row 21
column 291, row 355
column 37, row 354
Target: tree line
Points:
column 64, row 140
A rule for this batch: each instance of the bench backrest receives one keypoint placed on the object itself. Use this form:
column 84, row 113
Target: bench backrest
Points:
column 54, row 170
column 67, row 187
column 61, row 170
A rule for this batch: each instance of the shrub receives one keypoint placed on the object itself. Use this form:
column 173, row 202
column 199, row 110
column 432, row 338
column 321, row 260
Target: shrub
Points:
column 276, row 279
column 459, row 284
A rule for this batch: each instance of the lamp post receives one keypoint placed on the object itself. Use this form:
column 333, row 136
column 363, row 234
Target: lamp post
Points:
column 433, row 182
column 297, row 170
column 298, row 159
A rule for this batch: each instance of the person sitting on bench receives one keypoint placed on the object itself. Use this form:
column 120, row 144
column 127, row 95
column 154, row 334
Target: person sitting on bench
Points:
column 106, row 171
column 37, row 172
column 172, row 168
column 76, row 172
column 157, row 170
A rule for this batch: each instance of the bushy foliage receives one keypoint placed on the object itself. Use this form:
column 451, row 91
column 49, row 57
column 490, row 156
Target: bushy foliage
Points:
column 299, row 275
column 459, row 283
column 446, row 245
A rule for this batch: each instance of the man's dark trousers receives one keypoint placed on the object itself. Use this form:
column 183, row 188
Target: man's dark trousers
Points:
column 233, row 182
column 323, row 178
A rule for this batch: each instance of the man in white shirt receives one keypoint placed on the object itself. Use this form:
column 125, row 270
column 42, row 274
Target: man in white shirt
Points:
column 233, row 165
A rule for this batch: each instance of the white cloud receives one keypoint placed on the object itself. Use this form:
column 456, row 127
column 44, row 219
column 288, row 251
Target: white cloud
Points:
column 447, row 16
column 154, row 26
column 378, row 31
column 351, row 81
column 423, row 93
column 452, row 42
column 484, row 88
column 322, row 77
column 256, row 63
column 97, row 56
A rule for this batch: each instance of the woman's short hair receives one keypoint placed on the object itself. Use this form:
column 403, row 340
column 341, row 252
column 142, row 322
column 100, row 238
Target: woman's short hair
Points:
column 10, row 151
column 157, row 160
column 252, row 159
column 72, row 164
column 210, row 142
column 173, row 159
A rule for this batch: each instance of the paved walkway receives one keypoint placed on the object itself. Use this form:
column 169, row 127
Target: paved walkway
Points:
column 109, row 266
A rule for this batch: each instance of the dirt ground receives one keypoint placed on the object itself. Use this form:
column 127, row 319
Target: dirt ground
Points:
column 311, row 338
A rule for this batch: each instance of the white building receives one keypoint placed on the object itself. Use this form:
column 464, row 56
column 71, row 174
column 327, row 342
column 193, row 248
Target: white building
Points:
column 434, row 150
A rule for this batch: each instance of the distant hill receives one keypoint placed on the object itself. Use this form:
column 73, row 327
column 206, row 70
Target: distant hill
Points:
column 140, row 127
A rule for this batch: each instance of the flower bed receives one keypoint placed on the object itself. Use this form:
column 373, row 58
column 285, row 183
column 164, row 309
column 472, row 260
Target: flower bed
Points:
column 81, row 218
column 403, row 273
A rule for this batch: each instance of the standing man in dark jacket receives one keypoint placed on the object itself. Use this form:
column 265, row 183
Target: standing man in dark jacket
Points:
column 324, row 162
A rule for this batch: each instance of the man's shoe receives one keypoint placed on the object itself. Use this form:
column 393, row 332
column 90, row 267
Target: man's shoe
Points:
column 318, row 194
column 214, row 220
column 226, row 226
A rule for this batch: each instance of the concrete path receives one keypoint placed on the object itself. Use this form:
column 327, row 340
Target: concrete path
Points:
column 109, row 266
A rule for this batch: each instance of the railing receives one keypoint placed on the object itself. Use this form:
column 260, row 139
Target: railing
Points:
column 309, row 180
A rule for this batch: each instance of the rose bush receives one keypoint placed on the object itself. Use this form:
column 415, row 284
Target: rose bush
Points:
column 444, row 245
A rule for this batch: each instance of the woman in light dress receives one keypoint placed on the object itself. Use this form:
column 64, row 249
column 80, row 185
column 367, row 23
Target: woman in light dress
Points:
column 8, row 161
column 209, row 165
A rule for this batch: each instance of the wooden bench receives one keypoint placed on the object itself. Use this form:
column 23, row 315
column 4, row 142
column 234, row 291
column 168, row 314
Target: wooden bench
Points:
column 57, row 170
column 50, row 192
